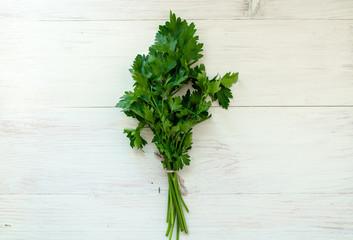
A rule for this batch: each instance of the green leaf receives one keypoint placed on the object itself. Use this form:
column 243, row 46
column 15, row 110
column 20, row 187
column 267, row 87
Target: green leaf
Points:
column 149, row 115
column 138, row 63
column 204, row 107
column 229, row 79
column 175, row 129
column 182, row 113
column 223, row 97
column 166, row 125
column 186, row 125
column 175, row 104
column 140, row 80
column 165, row 43
column 202, row 81
column 139, row 142
column 213, row 87
column 126, row 101
column 179, row 81
column 135, row 139
column 187, row 142
column 186, row 159
column 171, row 92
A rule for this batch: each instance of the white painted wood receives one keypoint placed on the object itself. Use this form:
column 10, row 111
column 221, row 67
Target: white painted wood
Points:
column 119, row 10
column 301, row 9
column 159, row 9
column 230, row 216
column 68, row 172
column 242, row 150
column 66, row 64
column 276, row 173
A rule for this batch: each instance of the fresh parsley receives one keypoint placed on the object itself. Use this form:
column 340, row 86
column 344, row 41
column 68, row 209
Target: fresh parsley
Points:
column 159, row 75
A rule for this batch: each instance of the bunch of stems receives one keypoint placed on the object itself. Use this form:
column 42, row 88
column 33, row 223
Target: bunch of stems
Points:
column 175, row 212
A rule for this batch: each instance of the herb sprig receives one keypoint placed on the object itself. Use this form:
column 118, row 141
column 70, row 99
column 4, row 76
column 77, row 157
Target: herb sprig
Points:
column 159, row 75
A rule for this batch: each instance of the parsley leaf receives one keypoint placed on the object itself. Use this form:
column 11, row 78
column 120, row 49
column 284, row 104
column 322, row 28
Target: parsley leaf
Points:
column 223, row 97
column 169, row 66
column 158, row 76
column 229, row 79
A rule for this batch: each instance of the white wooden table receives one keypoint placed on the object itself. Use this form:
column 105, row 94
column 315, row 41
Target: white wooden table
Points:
column 277, row 165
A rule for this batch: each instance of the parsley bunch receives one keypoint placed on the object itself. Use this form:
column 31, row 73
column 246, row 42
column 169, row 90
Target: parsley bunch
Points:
column 159, row 75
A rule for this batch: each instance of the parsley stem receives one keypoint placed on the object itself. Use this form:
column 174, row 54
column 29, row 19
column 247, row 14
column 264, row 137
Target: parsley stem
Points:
column 168, row 210
column 156, row 106
column 174, row 197
column 178, row 201
column 168, row 229
column 177, row 231
column 171, row 215
column 171, row 233
column 177, row 137
column 182, row 200
column 169, row 66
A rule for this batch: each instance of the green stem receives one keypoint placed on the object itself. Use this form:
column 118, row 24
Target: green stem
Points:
column 168, row 210
column 182, row 138
column 171, row 233
column 177, row 231
column 174, row 198
column 182, row 200
column 175, row 207
column 176, row 188
column 171, row 213
column 168, row 229
column 177, row 136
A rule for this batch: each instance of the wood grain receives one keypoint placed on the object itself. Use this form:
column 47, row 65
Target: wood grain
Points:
column 262, row 150
column 281, row 63
column 159, row 9
column 277, row 165
column 263, row 216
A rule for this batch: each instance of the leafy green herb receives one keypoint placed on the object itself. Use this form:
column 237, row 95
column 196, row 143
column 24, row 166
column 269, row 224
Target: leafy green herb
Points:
column 159, row 75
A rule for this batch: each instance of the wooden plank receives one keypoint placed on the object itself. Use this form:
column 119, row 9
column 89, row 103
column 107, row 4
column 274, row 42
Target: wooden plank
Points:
column 242, row 150
column 264, row 216
column 200, row 9
column 119, row 10
column 301, row 9
column 281, row 63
